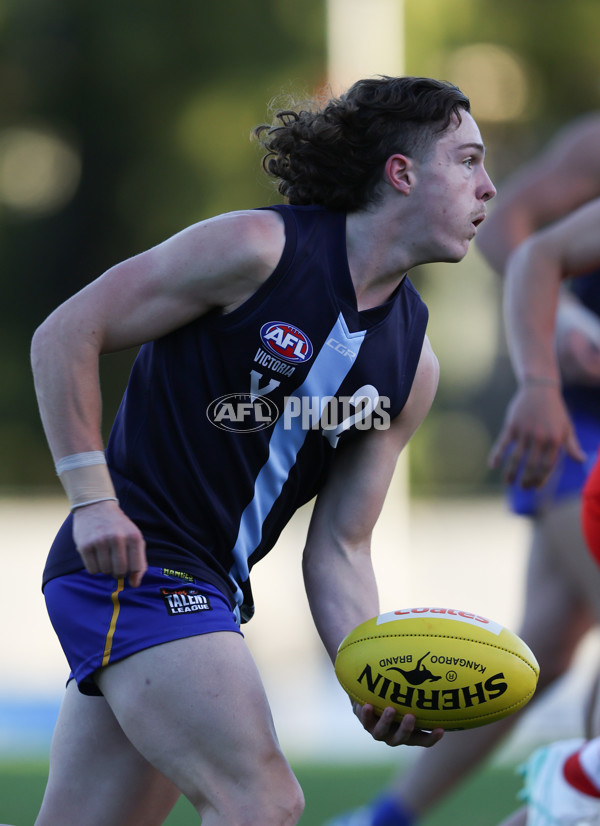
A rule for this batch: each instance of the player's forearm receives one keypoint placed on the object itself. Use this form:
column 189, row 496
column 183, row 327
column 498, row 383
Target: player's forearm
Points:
column 65, row 371
column 531, row 299
column 341, row 591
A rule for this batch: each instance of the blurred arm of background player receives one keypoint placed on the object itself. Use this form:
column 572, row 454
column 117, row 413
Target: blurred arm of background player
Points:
column 562, row 178
column 537, row 423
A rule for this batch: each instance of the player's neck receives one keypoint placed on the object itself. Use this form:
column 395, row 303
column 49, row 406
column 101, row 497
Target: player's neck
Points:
column 377, row 262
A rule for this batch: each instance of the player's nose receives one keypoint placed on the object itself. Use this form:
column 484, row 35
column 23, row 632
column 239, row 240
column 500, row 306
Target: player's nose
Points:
column 486, row 188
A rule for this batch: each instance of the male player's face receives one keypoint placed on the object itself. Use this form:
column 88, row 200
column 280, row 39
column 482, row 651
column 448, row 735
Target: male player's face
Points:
column 454, row 188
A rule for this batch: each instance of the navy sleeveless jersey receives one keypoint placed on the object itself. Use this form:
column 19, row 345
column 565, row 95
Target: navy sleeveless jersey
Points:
column 229, row 424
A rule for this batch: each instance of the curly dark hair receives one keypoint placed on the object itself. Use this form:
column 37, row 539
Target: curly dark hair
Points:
column 333, row 155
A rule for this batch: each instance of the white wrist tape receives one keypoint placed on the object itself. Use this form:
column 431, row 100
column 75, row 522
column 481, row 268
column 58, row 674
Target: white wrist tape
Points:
column 86, row 478
column 76, row 460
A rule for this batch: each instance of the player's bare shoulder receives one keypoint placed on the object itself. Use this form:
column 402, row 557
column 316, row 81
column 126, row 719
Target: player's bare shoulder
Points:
column 424, row 385
column 249, row 244
column 420, row 399
column 428, row 370
column 259, row 234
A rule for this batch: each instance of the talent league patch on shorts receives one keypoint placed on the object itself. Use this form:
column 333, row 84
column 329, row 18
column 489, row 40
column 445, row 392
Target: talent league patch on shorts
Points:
column 185, row 600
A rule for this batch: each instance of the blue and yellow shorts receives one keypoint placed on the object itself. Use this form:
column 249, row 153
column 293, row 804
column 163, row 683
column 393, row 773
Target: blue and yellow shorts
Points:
column 100, row 620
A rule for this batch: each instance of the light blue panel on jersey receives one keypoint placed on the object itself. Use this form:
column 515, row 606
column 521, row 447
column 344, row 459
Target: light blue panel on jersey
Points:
column 329, row 370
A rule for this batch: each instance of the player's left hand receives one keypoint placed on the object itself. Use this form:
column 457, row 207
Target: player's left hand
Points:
column 109, row 542
column 388, row 730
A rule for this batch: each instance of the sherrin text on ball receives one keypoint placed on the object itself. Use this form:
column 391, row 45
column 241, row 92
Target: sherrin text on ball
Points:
column 451, row 669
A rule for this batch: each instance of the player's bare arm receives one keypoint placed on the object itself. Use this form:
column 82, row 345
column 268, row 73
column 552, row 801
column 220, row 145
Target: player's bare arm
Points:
column 563, row 178
column 338, row 571
column 216, row 263
column 537, row 424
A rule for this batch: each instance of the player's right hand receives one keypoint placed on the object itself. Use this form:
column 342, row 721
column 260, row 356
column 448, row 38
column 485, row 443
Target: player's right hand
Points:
column 109, row 542
column 536, row 428
column 387, row 729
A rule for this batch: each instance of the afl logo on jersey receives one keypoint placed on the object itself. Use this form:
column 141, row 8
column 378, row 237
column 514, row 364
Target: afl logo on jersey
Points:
column 286, row 341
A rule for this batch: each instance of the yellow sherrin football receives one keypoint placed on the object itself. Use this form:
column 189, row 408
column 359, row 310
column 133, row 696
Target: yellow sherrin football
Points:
column 450, row 668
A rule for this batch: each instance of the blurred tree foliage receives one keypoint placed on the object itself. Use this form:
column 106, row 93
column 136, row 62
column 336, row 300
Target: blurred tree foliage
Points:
column 158, row 100
column 555, row 42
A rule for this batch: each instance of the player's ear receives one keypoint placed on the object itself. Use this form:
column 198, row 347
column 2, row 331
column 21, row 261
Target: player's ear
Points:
column 399, row 173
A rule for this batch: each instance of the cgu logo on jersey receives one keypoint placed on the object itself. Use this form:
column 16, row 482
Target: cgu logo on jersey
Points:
column 286, row 341
column 409, row 688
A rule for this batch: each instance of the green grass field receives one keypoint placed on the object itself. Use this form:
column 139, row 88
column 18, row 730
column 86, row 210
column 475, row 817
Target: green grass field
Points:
column 484, row 801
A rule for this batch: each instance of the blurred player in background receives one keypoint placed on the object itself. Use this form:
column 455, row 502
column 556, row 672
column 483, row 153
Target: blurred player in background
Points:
column 238, row 316
column 562, row 590
column 562, row 780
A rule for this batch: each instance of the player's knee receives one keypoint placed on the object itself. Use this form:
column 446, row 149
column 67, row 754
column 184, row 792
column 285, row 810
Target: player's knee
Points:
column 281, row 803
column 270, row 795
column 291, row 805
column 296, row 801
column 283, row 807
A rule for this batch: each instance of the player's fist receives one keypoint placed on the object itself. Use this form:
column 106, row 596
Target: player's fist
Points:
column 109, row 542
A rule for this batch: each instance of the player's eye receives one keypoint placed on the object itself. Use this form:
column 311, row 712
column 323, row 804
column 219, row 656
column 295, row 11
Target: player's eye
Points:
column 468, row 162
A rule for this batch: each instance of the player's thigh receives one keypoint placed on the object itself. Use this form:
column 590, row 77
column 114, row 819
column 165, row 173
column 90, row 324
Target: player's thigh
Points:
column 569, row 547
column 97, row 778
column 560, row 602
column 197, row 710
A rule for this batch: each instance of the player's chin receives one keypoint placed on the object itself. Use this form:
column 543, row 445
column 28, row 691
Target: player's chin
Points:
column 454, row 256
column 455, row 252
